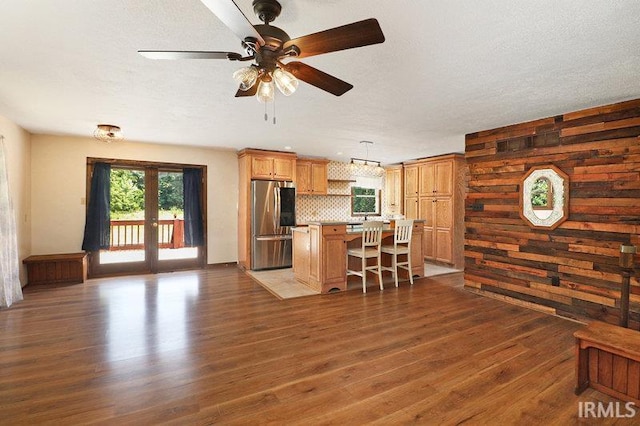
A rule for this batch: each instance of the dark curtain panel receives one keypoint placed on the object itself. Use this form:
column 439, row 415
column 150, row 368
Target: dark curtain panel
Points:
column 193, row 228
column 97, row 224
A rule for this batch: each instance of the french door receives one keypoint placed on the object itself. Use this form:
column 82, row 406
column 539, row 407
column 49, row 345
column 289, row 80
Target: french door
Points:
column 147, row 221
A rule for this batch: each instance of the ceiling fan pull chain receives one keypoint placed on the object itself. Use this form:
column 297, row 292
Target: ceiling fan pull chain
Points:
column 274, row 110
column 266, row 117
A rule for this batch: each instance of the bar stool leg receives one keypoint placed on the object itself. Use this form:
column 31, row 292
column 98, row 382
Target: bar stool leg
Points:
column 380, row 269
column 409, row 266
column 364, row 274
column 395, row 267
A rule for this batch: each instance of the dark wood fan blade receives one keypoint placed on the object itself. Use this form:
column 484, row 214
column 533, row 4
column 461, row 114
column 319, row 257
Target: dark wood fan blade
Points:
column 183, row 54
column 251, row 92
column 231, row 15
column 318, row 78
column 362, row 33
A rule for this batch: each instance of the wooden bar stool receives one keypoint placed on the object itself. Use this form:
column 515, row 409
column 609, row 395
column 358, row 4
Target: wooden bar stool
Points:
column 371, row 239
column 401, row 246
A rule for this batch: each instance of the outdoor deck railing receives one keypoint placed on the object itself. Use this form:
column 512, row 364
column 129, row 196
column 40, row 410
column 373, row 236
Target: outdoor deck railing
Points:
column 129, row 234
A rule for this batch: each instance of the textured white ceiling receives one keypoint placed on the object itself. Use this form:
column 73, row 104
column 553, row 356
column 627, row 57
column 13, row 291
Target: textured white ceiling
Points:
column 447, row 68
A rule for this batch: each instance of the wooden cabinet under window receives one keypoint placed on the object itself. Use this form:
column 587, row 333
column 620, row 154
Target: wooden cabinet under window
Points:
column 68, row 268
column 434, row 192
column 311, row 176
column 393, row 190
column 255, row 164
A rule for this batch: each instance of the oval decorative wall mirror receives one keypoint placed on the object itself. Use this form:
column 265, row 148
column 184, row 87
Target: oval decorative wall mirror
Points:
column 544, row 197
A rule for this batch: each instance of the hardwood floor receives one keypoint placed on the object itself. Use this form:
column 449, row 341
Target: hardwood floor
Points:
column 214, row 347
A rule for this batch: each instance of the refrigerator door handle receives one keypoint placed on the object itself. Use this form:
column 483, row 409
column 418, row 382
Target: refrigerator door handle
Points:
column 277, row 207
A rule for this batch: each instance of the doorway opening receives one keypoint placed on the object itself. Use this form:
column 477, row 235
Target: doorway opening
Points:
column 147, row 219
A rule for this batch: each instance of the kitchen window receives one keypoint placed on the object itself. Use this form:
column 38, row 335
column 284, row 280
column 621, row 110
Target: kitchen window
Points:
column 365, row 201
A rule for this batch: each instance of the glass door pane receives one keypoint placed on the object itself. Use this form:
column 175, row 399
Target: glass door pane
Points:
column 127, row 232
column 171, row 218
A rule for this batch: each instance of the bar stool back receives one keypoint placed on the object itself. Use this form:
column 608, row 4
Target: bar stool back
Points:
column 401, row 247
column 371, row 239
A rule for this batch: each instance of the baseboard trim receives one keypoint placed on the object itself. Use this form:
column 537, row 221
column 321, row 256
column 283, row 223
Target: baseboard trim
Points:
column 221, row 265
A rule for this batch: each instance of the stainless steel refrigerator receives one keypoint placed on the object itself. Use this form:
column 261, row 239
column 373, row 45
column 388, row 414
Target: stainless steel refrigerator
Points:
column 273, row 213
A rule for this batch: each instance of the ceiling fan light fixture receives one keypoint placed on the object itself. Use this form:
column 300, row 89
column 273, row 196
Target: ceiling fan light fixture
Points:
column 246, row 77
column 287, row 83
column 108, row 133
column 266, row 91
column 267, row 45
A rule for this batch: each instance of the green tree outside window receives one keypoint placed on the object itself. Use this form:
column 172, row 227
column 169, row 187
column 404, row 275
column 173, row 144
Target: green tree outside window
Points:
column 365, row 201
column 541, row 195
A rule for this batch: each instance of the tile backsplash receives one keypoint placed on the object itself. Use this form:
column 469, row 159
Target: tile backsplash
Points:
column 338, row 207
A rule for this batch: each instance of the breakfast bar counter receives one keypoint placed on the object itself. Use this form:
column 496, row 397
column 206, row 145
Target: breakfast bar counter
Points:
column 320, row 253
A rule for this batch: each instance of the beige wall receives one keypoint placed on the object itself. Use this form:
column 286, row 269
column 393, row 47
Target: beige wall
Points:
column 59, row 188
column 18, row 151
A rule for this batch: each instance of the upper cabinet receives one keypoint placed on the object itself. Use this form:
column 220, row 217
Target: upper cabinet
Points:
column 311, row 176
column 436, row 178
column 271, row 165
column 411, row 180
column 393, row 189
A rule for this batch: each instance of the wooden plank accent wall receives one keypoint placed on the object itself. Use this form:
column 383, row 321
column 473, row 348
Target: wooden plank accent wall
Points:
column 573, row 270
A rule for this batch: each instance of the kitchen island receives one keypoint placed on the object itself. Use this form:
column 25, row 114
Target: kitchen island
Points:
column 320, row 253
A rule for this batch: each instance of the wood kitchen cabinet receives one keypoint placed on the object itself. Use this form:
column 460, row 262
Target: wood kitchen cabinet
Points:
column 436, row 179
column 438, row 232
column 300, row 254
column 255, row 164
column 268, row 165
column 311, row 176
column 411, row 181
column 327, row 257
column 435, row 192
column 393, row 190
column 320, row 253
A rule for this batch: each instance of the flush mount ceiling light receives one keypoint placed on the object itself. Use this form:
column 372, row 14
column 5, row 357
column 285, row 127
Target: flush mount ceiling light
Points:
column 269, row 47
column 108, row 133
column 371, row 164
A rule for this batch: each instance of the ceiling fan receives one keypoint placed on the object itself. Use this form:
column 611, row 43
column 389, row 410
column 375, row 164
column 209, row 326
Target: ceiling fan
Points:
column 268, row 47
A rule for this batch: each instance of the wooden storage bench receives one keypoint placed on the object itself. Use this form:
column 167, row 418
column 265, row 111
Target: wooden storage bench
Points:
column 69, row 268
column 608, row 360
